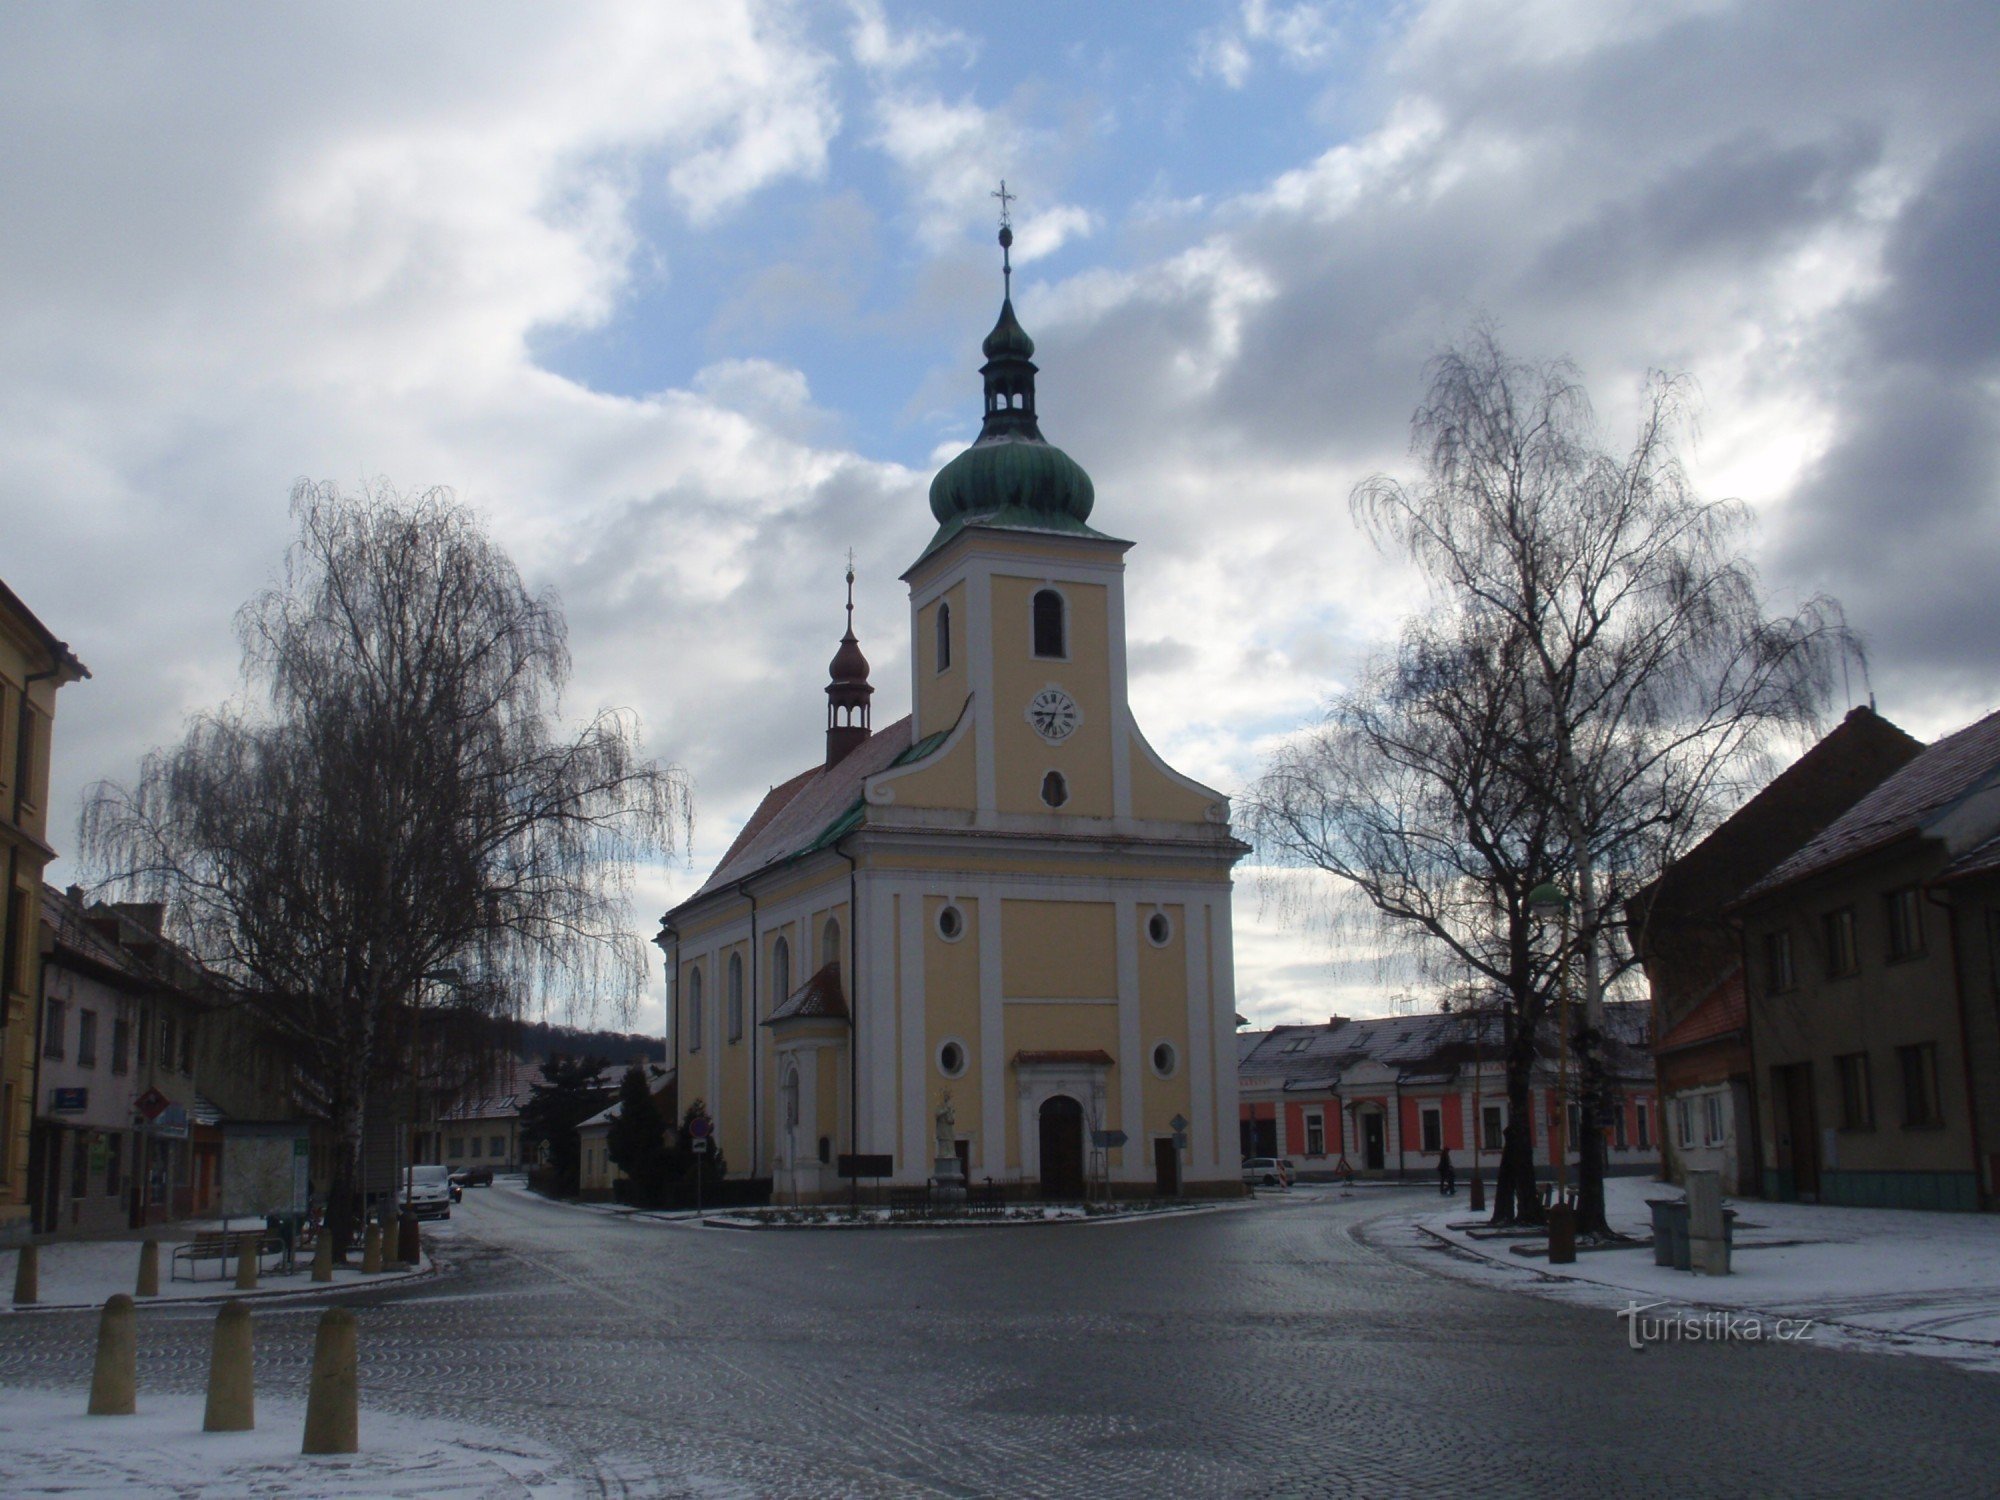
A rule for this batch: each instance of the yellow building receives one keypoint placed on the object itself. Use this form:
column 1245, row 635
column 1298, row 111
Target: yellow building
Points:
column 1007, row 897
column 33, row 665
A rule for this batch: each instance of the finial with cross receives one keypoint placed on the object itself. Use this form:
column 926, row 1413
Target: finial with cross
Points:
column 850, row 590
column 1006, row 236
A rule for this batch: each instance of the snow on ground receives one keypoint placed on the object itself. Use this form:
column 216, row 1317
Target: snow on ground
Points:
column 83, row 1273
column 1925, row 1283
column 49, row 1447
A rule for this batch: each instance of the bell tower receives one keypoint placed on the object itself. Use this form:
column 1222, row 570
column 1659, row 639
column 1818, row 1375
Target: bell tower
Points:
column 848, row 690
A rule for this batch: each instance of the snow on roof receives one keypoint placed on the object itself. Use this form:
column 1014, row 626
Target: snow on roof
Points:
column 795, row 815
column 1907, row 803
column 1428, row 1048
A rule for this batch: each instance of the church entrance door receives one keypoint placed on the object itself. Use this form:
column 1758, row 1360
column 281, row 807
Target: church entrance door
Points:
column 1062, row 1147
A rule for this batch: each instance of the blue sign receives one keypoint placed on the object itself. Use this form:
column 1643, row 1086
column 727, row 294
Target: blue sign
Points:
column 71, row 1101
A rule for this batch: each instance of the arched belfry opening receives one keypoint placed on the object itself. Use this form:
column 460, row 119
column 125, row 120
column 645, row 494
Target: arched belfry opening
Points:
column 848, row 691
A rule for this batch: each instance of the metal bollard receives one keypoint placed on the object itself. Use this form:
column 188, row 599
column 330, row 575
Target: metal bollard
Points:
column 28, row 1275
column 149, row 1269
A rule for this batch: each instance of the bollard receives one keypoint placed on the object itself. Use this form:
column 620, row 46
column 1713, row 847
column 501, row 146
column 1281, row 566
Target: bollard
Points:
column 246, row 1264
column 371, row 1250
column 1477, row 1202
column 232, row 1399
column 323, row 1257
column 28, row 1275
column 333, row 1404
column 114, row 1379
column 149, row 1269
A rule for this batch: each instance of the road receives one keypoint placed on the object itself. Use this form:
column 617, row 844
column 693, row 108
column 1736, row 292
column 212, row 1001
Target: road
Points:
column 1277, row 1349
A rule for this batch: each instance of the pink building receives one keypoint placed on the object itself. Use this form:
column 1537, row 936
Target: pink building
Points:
column 1386, row 1096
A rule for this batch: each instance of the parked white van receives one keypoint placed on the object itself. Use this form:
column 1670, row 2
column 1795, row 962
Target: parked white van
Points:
column 429, row 1191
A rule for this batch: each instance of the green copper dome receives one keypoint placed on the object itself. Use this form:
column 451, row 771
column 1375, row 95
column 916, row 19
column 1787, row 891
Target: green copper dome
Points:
column 1013, row 478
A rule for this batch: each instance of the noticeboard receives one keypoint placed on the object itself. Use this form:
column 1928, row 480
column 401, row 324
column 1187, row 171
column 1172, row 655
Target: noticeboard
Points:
column 265, row 1169
column 883, row 1165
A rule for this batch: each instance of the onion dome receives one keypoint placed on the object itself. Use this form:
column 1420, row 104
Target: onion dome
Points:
column 847, row 690
column 1012, row 474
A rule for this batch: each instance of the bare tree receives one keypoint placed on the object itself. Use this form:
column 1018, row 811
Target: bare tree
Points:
column 1406, row 794
column 1639, row 683
column 394, row 798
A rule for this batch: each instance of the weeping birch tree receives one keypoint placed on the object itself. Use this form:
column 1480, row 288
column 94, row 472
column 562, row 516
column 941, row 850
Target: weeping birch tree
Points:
column 394, row 798
column 1639, row 683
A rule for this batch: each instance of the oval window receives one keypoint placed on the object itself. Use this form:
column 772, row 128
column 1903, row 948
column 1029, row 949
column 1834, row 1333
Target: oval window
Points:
column 1165, row 1059
column 950, row 923
column 951, row 1059
column 1159, row 929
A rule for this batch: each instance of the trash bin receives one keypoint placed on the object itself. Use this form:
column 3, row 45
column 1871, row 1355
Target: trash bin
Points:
column 1670, row 1232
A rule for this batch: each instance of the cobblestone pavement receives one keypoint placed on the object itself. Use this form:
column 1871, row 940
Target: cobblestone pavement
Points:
column 1277, row 1349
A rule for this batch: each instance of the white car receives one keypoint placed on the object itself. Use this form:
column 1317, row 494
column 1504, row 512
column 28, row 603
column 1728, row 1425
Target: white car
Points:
column 428, row 1189
column 1267, row 1171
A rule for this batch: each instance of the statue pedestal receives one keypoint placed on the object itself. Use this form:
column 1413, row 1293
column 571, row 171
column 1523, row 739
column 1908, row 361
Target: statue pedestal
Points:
column 948, row 1190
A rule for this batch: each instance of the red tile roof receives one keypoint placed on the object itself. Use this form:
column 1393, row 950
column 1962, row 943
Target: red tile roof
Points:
column 794, row 814
column 1723, row 1012
column 819, row 998
column 1903, row 805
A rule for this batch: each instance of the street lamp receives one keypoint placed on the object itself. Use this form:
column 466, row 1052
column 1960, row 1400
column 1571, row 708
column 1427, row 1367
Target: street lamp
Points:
column 1543, row 900
column 409, row 1247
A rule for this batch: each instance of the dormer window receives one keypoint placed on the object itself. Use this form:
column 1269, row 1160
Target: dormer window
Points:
column 1051, row 634
column 943, row 636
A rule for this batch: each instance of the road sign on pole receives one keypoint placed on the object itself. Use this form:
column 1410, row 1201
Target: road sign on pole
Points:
column 1177, row 1124
column 1104, row 1140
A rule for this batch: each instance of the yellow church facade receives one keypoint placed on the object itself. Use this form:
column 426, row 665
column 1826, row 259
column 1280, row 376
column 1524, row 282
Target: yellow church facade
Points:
column 1007, row 900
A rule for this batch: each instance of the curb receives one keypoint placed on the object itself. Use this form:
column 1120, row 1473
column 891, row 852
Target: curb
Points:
column 229, row 1293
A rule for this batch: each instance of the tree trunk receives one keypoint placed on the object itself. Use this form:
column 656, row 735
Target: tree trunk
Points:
column 1515, row 1200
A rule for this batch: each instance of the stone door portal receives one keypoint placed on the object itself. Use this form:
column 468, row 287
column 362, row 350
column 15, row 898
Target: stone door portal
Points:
column 1062, row 1147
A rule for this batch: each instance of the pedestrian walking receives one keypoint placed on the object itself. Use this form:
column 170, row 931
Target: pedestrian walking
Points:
column 1447, row 1175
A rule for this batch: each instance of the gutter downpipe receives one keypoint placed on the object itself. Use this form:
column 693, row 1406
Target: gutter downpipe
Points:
column 751, row 896
column 1980, row 1198
column 853, row 1009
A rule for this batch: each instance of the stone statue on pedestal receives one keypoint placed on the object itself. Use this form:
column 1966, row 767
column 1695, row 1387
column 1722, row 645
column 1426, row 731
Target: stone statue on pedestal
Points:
column 947, row 1170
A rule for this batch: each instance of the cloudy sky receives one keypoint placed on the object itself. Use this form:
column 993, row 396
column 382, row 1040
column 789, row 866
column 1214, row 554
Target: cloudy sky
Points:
column 686, row 299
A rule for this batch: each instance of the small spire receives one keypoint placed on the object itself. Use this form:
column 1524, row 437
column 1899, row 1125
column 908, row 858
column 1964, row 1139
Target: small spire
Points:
column 847, row 689
column 1006, row 239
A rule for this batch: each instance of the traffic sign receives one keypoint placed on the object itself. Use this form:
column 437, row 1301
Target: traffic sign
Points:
column 701, row 1144
column 151, row 1104
column 1105, row 1139
column 701, row 1127
column 1178, row 1124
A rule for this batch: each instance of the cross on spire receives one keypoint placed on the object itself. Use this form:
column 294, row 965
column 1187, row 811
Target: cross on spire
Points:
column 850, row 591
column 1006, row 236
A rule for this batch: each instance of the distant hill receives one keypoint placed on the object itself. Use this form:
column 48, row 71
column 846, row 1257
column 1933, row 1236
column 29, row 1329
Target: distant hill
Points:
column 538, row 1040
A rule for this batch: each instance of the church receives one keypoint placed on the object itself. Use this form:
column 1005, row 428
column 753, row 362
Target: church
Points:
column 1002, row 920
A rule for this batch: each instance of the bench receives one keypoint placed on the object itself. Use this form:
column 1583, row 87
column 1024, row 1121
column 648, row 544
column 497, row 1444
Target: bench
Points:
column 223, row 1247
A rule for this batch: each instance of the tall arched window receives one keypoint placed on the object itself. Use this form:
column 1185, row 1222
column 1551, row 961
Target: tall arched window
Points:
column 735, row 997
column 791, row 1098
column 943, row 636
column 829, row 943
column 781, row 972
column 694, row 1010
column 1050, row 637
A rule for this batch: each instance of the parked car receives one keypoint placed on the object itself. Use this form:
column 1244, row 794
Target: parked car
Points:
column 473, row 1177
column 428, row 1190
column 1267, row 1171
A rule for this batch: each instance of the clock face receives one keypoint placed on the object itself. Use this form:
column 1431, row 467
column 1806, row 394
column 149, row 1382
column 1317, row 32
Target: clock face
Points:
column 1054, row 714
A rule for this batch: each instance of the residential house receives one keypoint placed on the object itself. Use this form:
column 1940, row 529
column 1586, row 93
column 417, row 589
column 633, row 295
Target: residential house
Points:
column 1385, row 1097
column 121, row 1008
column 1692, row 950
column 1869, row 965
column 33, row 666
column 598, row 1176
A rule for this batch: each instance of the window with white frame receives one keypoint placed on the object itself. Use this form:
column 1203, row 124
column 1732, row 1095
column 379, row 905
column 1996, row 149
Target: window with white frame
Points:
column 1432, row 1121
column 1315, row 1134
column 1493, row 1127
column 1713, row 1105
column 1684, row 1119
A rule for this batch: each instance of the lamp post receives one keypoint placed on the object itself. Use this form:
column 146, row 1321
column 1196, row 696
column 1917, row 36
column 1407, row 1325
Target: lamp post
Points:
column 1543, row 899
column 409, row 1244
